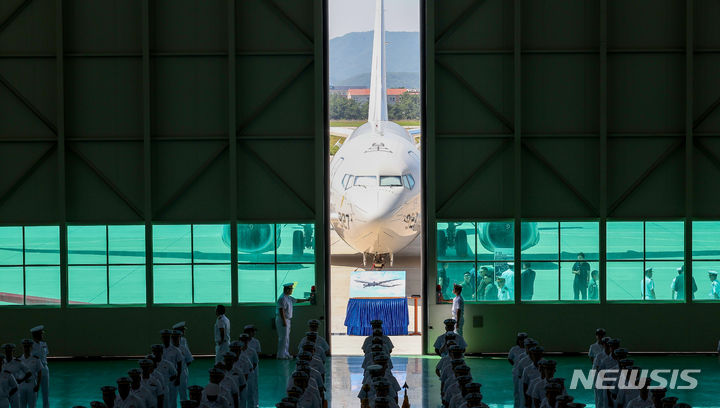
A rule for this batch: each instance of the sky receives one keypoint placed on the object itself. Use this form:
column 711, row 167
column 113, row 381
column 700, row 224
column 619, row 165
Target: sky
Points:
column 347, row 16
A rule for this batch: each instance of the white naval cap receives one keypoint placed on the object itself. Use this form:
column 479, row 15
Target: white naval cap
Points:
column 288, row 285
column 37, row 329
column 178, row 325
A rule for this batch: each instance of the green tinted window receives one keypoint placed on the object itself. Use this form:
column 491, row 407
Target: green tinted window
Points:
column 272, row 254
column 95, row 256
column 22, row 280
column 192, row 264
column 456, row 241
column 705, row 260
column 625, row 240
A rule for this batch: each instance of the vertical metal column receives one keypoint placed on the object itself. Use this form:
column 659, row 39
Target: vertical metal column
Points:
column 62, row 190
column 427, row 154
column 147, row 152
column 689, row 144
column 517, row 140
column 232, row 147
column 602, row 208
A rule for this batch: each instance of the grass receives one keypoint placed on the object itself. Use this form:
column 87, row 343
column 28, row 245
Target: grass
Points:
column 333, row 147
column 356, row 123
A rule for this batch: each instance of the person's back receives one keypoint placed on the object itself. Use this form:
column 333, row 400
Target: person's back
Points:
column 527, row 283
column 491, row 292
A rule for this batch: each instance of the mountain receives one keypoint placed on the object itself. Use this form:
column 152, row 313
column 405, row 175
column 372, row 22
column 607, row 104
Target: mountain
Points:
column 394, row 80
column 350, row 56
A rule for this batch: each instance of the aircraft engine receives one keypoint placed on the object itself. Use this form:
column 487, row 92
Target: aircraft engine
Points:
column 253, row 238
column 496, row 236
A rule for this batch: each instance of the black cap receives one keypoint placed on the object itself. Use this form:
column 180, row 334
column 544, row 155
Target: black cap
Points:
column 188, row 404
column 157, row 347
column 97, row 404
column 600, row 332
column 522, row 335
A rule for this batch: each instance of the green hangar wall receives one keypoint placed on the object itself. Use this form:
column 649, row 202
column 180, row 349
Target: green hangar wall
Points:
column 159, row 111
column 599, row 110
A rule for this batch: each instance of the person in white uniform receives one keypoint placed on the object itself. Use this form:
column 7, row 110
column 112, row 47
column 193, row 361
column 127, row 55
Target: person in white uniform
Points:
column 8, row 386
column 124, row 398
column 252, row 379
column 175, row 357
column 648, row 285
column 15, row 367
column 222, row 333
column 284, row 310
column 714, row 285
column 597, row 347
column 40, row 348
column 458, row 309
column 29, row 388
column 187, row 358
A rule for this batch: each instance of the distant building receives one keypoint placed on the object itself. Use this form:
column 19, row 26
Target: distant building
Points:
column 363, row 94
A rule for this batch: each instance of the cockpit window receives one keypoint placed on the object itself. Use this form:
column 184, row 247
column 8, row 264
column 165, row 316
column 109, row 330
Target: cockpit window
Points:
column 390, row 181
column 347, row 181
column 365, row 181
column 408, row 181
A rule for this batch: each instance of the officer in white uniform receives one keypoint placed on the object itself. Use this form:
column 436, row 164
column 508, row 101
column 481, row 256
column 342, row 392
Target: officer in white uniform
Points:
column 187, row 358
column 8, row 386
column 124, row 398
column 152, row 380
column 175, row 357
column 518, row 349
column 252, row 380
column 138, row 389
column 714, row 285
column 222, row 333
column 15, row 367
column 597, row 347
column 40, row 348
column 458, row 309
column 29, row 388
column 284, row 310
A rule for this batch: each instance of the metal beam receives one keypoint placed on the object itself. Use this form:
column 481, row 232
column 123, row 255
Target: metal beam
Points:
column 106, row 180
column 282, row 14
column 28, row 104
column 560, row 176
column 689, row 144
column 147, row 152
column 18, row 10
column 232, row 146
column 704, row 115
column 505, row 121
column 26, row 174
column 277, row 176
column 603, row 151
column 459, row 20
column 282, row 87
column 669, row 151
column 62, row 168
column 517, row 143
column 473, row 175
column 191, row 180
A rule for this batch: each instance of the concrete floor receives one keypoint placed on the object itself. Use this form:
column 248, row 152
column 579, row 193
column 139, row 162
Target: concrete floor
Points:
column 344, row 260
column 78, row 382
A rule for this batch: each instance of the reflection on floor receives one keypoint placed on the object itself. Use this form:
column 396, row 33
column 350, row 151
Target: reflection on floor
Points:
column 74, row 382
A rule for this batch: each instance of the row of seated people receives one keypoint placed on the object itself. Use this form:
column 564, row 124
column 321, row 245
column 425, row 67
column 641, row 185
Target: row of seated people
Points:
column 535, row 384
column 306, row 385
column 154, row 383
column 457, row 388
column 380, row 388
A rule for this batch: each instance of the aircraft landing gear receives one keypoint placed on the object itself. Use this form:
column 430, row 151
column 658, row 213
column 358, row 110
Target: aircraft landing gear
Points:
column 298, row 243
column 452, row 237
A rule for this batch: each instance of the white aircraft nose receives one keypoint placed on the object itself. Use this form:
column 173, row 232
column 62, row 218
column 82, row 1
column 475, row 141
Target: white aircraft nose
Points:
column 379, row 205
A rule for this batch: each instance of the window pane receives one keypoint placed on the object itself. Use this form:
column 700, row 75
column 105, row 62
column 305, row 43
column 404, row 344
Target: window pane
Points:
column 87, row 285
column 390, row 181
column 172, row 284
column 11, row 246
column 546, row 248
column 87, row 244
column 624, row 280
column 208, row 244
column 256, row 242
column 127, row 244
column 171, row 244
column 303, row 275
column 11, row 285
column 706, row 240
column 708, row 286
column 496, row 240
column 579, row 286
column 256, row 283
column 664, row 240
column 127, row 284
column 579, row 237
column 546, row 281
column 527, row 281
column 664, row 274
column 454, row 272
column 42, row 284
column 624, row 240
column 296, row 243
column 456, row 241
column 212, row 284
column 42, row 245
column 492, row 282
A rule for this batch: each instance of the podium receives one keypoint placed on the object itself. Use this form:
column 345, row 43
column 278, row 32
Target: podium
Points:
column 377, row 295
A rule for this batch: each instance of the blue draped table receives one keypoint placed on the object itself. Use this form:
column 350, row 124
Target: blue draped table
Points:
column 392, row 311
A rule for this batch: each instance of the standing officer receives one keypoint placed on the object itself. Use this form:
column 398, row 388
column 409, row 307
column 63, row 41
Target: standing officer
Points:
column 40, row 348
column 222, row 333
column 187, row 358
column 29, row 388
column 18, row 370
column 282, row 321
column 714, row 285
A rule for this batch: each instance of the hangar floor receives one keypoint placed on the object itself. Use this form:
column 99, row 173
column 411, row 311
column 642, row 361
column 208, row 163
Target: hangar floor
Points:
column 76, row 382
column 344, row 260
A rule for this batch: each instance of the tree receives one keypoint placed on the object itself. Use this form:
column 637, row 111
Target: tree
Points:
column 407, row 106
column 342, row 108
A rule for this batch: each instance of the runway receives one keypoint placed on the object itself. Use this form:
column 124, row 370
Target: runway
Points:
column 343, row 261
